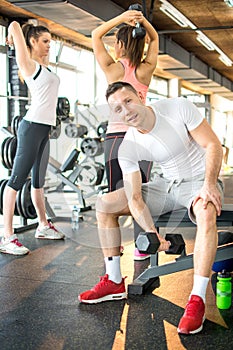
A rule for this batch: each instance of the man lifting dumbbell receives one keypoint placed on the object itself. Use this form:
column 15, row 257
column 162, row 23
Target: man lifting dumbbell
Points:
column 173, row 134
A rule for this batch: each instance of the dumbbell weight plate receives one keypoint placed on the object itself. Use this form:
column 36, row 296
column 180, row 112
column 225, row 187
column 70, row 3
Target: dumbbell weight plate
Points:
column 102, row 128
column 11, row 151
column 2, row 187
column 147, row 243
column 177, row 243
column 89, row 175
column 55, row 131
column 3, row 184
column 92, row 147
column 15, row 124
column 4, row 161
column 63, row 107
column 75, row 130
column 71, row 130
column 1, row 181
column 5, row 153
column 26, row 201
column 18, row 121
column 100, row 173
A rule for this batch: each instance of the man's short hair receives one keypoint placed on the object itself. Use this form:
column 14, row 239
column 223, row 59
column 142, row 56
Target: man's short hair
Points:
column 112, row 88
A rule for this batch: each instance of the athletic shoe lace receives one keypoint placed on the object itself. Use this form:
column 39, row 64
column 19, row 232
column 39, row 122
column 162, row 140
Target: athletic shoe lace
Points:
column 192, row 308
column 16, row 242
column 104, row 281
column 52, row 227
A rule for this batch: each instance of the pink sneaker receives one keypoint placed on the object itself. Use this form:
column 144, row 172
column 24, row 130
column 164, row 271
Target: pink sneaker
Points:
column 139, row 256
column 103, row 291
column 194, row 316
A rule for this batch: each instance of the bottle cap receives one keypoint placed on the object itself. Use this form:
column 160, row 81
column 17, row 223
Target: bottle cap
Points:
column 224, row 274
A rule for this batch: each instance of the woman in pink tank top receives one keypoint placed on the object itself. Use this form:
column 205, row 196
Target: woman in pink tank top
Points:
column 129, row 65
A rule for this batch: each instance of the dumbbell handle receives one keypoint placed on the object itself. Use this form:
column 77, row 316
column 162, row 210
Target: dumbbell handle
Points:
column 148, row 243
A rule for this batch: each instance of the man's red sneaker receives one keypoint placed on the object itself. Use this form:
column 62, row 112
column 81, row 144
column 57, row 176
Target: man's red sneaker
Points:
column 103, row 291
column 194, row 316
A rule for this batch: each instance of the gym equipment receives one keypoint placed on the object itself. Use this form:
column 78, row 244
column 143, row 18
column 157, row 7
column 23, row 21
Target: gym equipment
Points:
column 148, row 243
column 138, row 32
column 92, row 147
column 91, row 174
column 28, row 210
column 224, row 237
column 3, row 156
column 63, row 108
column 63, row 112
column 55, row 131
column 83, row 176
column 23, row 206
column 177, row 243
column 15, row 124
column 76, row 130
column 102, row 128
column 2, row 187
column 58, row 169
column 70, row 161
column 8, row 150
column 179, row 218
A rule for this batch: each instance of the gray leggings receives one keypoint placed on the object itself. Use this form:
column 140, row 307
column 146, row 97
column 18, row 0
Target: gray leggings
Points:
column 32, row 154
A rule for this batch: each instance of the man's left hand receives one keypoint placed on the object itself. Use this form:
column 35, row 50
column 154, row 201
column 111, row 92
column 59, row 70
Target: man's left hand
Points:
column 210, row 193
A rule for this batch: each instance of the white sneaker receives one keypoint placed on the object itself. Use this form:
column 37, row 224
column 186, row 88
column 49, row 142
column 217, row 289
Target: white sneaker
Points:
column 49, row 232
column 12, row 246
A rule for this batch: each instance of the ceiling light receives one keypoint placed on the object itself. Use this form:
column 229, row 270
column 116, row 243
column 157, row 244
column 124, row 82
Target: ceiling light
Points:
column 206, row 42
column 183, row 21
column 226, row 60
column 174, row 15
column 229, row 3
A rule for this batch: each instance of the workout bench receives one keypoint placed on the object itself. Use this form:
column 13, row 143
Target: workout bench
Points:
column 179, row 218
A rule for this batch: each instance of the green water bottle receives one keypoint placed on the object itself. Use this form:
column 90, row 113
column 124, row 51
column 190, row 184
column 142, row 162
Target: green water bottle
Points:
column 224, row 290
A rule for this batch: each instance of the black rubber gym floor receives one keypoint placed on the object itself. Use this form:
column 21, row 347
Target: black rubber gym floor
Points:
column 40, row 310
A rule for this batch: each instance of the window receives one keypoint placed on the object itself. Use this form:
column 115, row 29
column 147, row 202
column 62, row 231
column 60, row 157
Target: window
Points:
column 201, row 101
column 158, row 90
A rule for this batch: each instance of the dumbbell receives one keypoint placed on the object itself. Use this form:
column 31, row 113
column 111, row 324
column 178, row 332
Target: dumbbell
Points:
column 148, row 243
column 138, row 32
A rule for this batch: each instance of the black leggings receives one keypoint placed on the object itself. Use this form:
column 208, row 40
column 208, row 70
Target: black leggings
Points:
column 113, row 171
column 32, row 154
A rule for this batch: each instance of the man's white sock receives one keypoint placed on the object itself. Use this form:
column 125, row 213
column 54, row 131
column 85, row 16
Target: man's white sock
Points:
column 113, row 269
column 200, row 284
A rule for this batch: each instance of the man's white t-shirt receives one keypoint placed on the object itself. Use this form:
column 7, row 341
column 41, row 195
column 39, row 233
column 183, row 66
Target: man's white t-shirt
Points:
column 168, row 144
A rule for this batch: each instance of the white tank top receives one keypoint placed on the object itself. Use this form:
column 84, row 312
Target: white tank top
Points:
column 43, row 86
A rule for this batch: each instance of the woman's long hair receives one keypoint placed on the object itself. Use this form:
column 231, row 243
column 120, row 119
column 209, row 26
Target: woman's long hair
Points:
column 31, row 31
column 134, row 47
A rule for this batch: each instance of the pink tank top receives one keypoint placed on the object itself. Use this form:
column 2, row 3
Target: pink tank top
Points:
column 129, row 77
